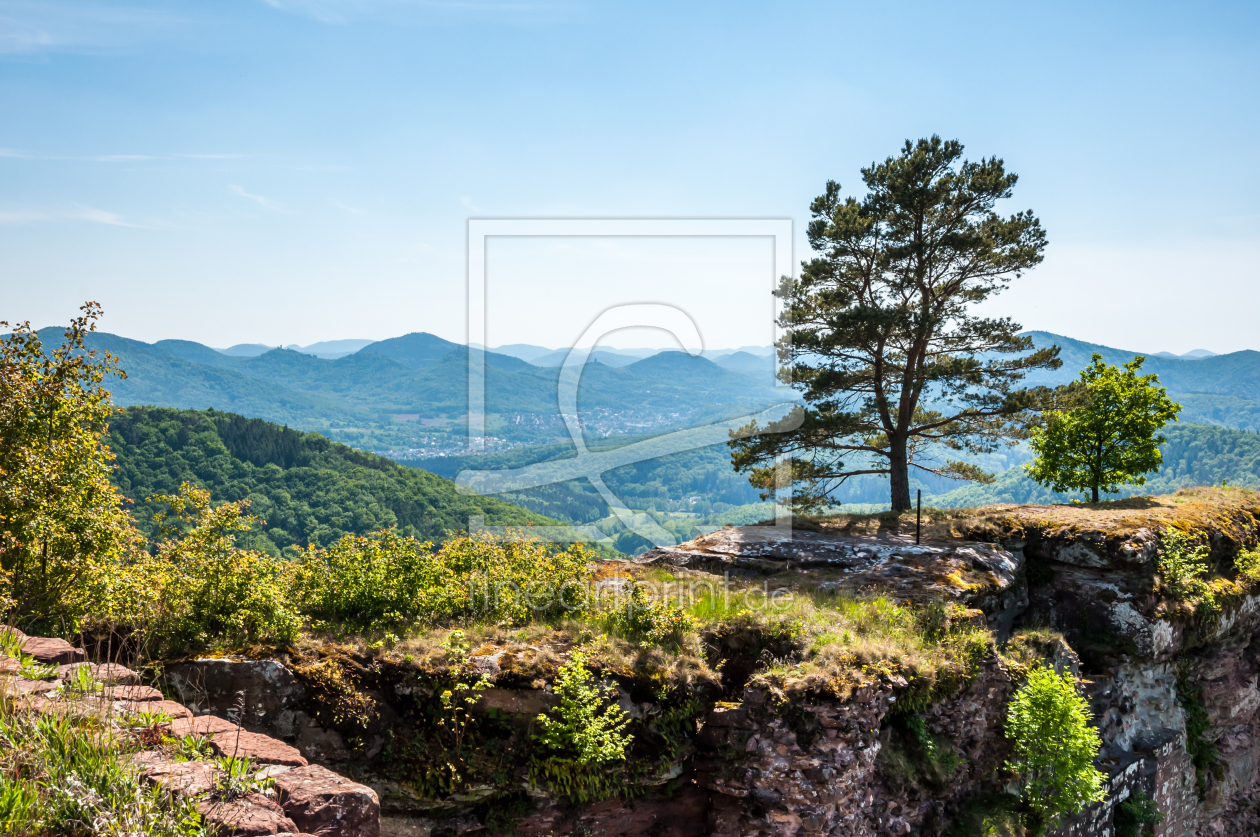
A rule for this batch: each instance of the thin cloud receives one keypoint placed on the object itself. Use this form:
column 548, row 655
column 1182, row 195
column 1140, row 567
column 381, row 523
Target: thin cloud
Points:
column 79, row 213
column 258, row 199
column 468, row 202
column 100, row 216
column 352, row 210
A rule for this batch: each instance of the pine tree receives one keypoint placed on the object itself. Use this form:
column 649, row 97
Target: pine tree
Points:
column 880, row 333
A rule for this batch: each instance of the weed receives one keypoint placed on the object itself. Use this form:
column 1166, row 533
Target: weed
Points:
column 1135, row 813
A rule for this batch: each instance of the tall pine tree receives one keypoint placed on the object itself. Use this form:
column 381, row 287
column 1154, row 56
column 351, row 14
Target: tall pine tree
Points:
column 880, row 335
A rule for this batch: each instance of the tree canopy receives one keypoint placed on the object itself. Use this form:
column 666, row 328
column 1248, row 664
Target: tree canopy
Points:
column 59, row 514
column 880, row 336
column 1109, row 438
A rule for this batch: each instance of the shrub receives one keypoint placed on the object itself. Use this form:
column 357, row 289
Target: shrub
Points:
column 656, row 622
column 199, row 588
column 59, row 516
column 585, row 727
column 1183, row 564
column 1134, row 813
column 1248, row 564
column 378, row 581
column 1048, row 722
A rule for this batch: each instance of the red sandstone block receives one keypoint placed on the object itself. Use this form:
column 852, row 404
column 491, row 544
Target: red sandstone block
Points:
column 249, row 816
column 52, row 651
column 200, row 725
column 261, row 748
column 321, row 801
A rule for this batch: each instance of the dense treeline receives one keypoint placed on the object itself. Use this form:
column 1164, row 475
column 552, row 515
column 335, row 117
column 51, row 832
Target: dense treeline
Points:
column 310, row 491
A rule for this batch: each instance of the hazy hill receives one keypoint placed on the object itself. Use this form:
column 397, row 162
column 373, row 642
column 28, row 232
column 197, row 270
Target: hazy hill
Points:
column 414, row 350
column 307, row 489
column 1236, row 374
column 746, row 363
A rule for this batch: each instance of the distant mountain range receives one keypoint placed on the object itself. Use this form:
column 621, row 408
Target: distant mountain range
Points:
column 414, row 376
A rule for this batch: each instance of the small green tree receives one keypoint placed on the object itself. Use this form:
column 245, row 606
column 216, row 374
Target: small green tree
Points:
column 1048, row 722
column 586, row 726
column 1108, row 438
column 60, row 518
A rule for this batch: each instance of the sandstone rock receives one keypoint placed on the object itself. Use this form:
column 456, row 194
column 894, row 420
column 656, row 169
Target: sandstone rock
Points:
column 203, row 725
column 321, row 745
column 133, row 694
column 9, row 665
column 215, row 685
column 249, row 816
column 321, row 801
column 177, row 712
column 187, row 778
column 111, row 674
column 51, row 651
column 18, row 686
column 261, row 748
column 523, row 702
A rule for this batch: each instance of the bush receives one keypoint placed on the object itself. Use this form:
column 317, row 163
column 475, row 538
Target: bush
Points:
column 656, row 622
column 1248, row 564
column 378, row 581
column 1134, row 813
column 586, row 727
column 1182, row 563
column 59, row 516
column 199, row 588
column 1055, row 746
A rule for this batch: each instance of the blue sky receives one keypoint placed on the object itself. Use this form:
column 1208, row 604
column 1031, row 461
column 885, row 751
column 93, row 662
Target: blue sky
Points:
column 286, row 172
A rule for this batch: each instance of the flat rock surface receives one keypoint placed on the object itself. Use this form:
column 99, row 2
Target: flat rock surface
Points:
column 896, row 565
column 321, row 801
column 111, row 674
column 247, row 816
column 133, row 693
column 51, row 651
column 261, row 748
column 201, row 725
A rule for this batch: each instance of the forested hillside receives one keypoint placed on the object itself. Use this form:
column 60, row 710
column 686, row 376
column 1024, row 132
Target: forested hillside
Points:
column 308, row 490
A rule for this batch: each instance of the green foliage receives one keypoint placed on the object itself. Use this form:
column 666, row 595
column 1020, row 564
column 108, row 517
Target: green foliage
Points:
column 585, row 728
column 199, row 588
column 1109, row 439
column 989, row 815
column 1134, row 813
column 382, row 580
column 1203, row 752
column 60, row 519
column 1048, row 722
column 1183, row 564
column 303, row 489
column 1247, row 563
column 238, row 776
column 880, row 324
column 456, row 706
column 60, row 777
column 652, row 621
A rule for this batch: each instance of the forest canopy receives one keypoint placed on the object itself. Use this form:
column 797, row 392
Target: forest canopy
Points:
column 310, row 491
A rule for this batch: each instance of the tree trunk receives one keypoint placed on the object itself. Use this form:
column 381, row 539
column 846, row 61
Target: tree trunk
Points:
column 1095, row 494
column 899, row 474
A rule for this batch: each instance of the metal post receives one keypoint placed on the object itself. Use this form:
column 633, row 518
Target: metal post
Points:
column 918, row 518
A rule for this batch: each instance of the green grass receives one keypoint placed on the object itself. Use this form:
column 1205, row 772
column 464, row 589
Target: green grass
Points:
column 68, row 776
